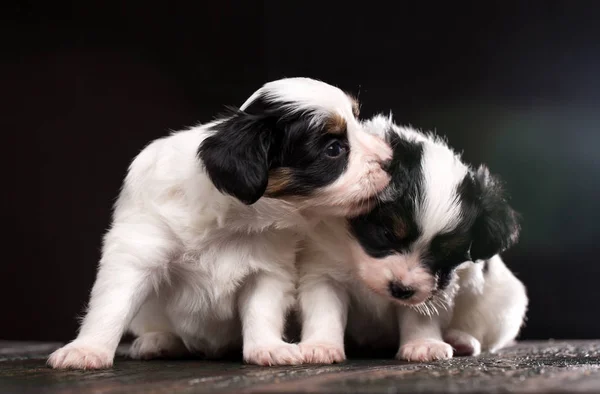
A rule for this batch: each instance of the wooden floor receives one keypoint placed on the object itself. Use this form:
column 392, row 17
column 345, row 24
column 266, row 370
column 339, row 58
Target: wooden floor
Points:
column 530, row 367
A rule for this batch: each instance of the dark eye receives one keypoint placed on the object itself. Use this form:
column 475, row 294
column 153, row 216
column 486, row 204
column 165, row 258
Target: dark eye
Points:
column 335, row 149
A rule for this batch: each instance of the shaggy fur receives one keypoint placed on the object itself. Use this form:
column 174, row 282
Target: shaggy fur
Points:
column 200, row 254
column 401, row 274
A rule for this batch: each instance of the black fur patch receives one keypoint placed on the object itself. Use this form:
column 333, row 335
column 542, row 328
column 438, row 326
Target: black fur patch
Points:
column 302, row 153
column 486, row 227
column 486, row 266
column 451, row 248
column 236, row 156
column 497, row 226
column 448, row 250
column 377, row 231
column 444, row 275
column 248, row 144
column 482, row 202
column 405, row 166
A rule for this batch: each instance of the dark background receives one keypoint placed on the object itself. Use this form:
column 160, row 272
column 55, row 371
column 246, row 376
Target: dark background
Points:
column 514, row 84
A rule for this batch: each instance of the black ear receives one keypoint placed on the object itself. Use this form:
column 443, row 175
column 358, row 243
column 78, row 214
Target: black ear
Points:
column 497, row 225
column 405, row 166
column 236, row 156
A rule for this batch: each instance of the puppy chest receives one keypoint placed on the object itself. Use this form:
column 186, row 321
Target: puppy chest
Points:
column 206, row 283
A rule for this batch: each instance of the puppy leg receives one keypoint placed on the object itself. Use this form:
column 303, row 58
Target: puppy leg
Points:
column 464, row 344
column 489, row 308
column 263, row 306
column 421, row 337
column 511, row 315
column 133, row 256
column 324, row 312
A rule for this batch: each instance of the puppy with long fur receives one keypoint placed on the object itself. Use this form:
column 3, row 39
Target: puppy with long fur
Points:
column 402, row 274
column 200, row 254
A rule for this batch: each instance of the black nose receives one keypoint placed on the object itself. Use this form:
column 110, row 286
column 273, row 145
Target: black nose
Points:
column 401, row 292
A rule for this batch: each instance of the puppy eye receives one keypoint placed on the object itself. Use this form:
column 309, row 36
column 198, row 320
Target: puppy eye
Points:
column 335, row 149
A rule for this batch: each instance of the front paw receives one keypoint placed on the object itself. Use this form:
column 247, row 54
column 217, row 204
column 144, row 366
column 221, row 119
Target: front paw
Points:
column 322, row 353
column 276, row 354
column 79, row 355
column 464, row 344
column 424, row 350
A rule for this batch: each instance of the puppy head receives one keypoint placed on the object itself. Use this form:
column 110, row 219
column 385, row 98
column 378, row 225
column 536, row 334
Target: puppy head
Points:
column 297, row 139
column 438, row 214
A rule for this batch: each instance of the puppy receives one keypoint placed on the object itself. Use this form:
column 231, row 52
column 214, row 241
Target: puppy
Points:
column 200, row 255
column 390, row 276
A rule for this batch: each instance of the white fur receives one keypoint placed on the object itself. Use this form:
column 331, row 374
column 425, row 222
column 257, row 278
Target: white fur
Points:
column 342, row 290
column 488, row 310
column 440, row 206
column 305, row 94
column 363, row 177
column 485, row 313
column 438, row 210
column 187, row 268
column 334, row 300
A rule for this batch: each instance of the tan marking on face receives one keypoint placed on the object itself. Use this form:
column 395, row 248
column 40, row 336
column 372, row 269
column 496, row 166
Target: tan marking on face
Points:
column 336, row 124
column 363, row 178
column 399, row 228
column 279, row 179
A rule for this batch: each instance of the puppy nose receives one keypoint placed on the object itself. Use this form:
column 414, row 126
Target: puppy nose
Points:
column 401, row 292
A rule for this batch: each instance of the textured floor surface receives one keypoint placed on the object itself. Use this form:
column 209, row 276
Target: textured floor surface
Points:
column 529, row 367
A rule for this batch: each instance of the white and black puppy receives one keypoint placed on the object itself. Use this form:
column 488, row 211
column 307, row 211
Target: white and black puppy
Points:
column 389, row 275
column 200, row 255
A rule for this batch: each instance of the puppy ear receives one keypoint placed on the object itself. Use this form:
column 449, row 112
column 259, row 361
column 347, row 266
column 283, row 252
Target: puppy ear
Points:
column 497, row 225
column 405, row 166
column 236, row 156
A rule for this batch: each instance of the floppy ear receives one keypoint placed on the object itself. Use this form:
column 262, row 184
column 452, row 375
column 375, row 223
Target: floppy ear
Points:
column 236, row 156
column 497, row 225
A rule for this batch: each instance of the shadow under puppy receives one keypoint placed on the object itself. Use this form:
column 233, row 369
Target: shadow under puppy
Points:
column 421, row 267
column 200, row 255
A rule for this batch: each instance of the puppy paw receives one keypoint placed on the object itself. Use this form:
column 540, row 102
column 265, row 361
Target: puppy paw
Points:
column 464, row 344
column 424, row 350
column 157, row 345
column 322, row 353
column 79, row 355
column 276, row 354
